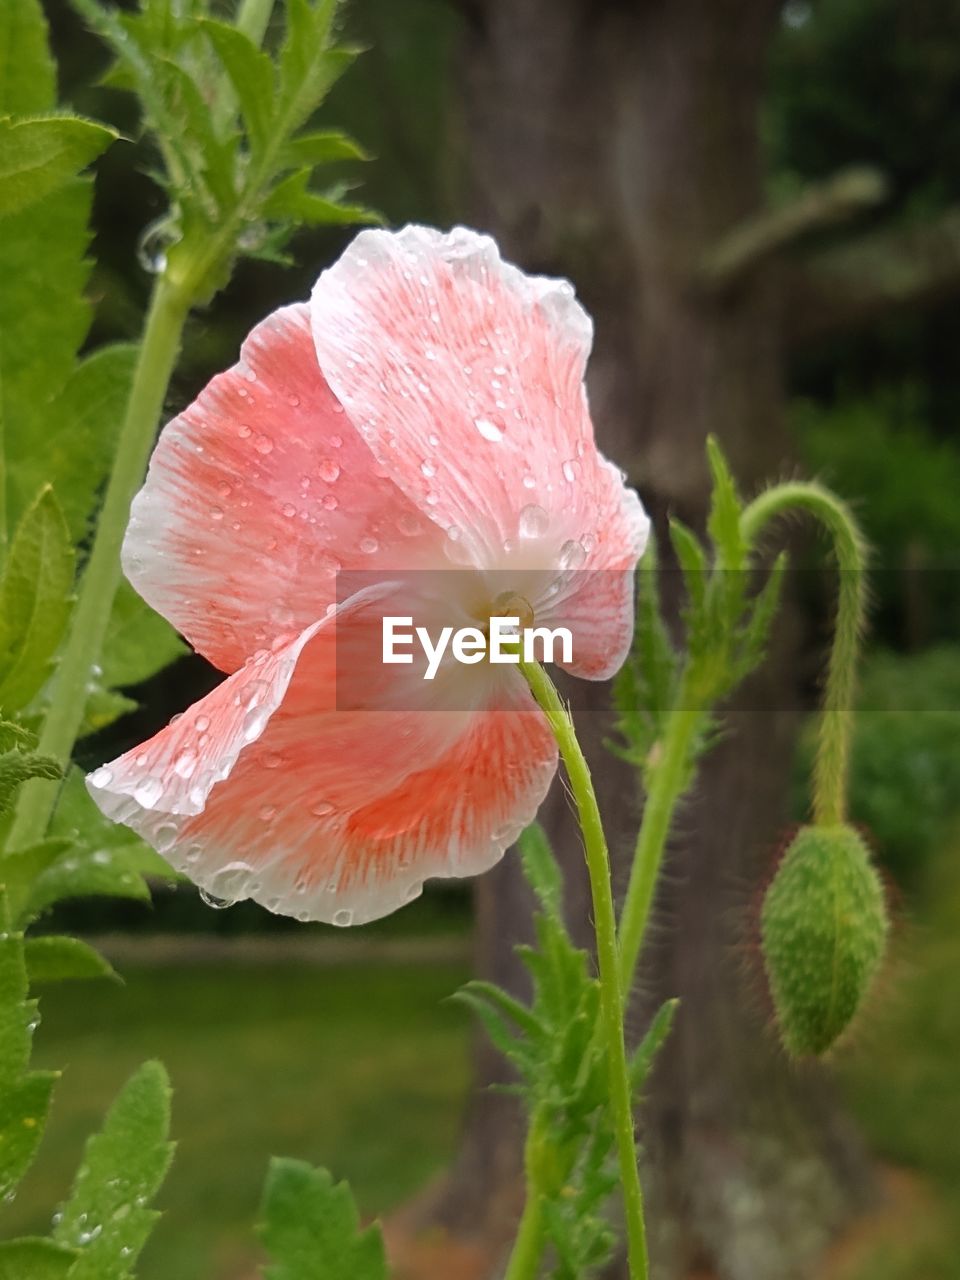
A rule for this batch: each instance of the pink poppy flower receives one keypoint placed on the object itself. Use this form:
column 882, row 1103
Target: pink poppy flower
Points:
column 425, row 411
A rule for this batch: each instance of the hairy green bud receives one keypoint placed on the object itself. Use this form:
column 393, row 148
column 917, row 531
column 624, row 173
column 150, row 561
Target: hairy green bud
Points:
column 824, row 928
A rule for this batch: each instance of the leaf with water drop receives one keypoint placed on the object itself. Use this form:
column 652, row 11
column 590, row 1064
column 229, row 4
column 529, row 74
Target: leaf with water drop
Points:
column 311, row 1228
column 106, row 1217
column 38, row 156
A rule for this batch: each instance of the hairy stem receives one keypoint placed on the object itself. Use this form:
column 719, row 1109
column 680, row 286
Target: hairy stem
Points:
column 605, row 924
column 158, row 352
column 832, row 765
column 668, row 782
column 528, row 1246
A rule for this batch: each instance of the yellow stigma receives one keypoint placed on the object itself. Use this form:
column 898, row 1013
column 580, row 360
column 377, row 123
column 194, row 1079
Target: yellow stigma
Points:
column 509, row 604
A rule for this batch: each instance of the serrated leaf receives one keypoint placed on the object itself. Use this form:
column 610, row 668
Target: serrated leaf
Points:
column 723, row 523
column 83, row 873
column 80, row 428
column 27, row 74
column 251, row 77
column 323, row 147
column 16, row 735
column 44, row 316
column 17, row 767
column 106, row 1219
column 21, row 867
column 139, row 642
column 33, row 1258
column 501, row 1035
column 291, row 199
column 692, row 559
column 37, row 156
column 56, row 959
column 34, row 600
column 23, row 1115
column 652, row 1042
column 541, row 868
column 311, row 1229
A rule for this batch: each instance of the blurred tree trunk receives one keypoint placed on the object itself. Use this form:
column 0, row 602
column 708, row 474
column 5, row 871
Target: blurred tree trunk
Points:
column 616, row 142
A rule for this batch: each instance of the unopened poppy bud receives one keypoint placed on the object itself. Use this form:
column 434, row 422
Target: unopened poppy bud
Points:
column 824, row 928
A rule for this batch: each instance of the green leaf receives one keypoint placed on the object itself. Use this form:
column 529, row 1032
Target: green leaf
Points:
column 16, row 735
column 324, row 147
column 24, row 1096
column 106, row 1219
column 541, row 868
column 251, row 76
column 44, row 316
column 80, row 429
column 34, row 600
column 33, row 1258
column 54, row 959
column 20, row 868
column 102, row 708
column 652, row 1042
column 291, row 199
column 723, row 523
column 139, row 642
column 692, row 559
column 310, row 1228
column 17, row 767
column 37, row 156
column 28, row 81
column 84, row 873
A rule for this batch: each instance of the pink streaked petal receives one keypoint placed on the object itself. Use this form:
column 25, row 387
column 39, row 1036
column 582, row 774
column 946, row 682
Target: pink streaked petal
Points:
column 265, row 789
column 466, row 378
column 257, row 495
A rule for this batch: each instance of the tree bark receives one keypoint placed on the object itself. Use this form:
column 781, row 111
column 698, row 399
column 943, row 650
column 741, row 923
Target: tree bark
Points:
column 616, row 143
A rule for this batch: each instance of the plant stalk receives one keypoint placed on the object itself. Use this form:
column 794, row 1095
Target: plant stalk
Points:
column 832, row 764
column 608, row 962
column 169, row 306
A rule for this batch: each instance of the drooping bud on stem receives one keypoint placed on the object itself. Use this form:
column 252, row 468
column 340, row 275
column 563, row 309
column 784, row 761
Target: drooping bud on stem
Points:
column 824, row 928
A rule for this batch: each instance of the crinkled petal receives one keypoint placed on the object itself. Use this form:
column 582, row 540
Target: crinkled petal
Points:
column 258, row 494
column 266, row 789
column 465, row 377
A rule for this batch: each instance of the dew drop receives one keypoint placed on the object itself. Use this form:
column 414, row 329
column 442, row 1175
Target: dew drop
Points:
column 267, row 812
column 343, row 918
column 254, row 723
column 216, row 513
column 202, row 724
column 293, row 402
column 165, row 837
column 572, row 554
column 321, row 809
column 534, row 522
column 427, row 468
column 224, row 490
column 244, row 432
column 529, row 482
column 330, row 502
column 263, row 444
column 185, row 764
column 289, row 510
column 336, row 441
column 489, row 430
column 369, row 545
column 570, row 470
column 218, row 904
column 101, row 777
column 148, row 792
column 271, row 760
column 328, row 470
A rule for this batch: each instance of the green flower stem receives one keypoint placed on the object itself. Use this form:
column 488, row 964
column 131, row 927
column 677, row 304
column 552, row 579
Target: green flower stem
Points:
column 528, row 1246
column 832, row 765
column 611, row 1004
column 668, row 782
column 158, row 352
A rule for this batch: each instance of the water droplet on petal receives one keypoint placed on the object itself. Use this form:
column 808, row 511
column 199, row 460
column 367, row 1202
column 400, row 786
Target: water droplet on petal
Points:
column 254, row 723
column 427, row 468
column 216, row 513
column 148, row 792
column 263, row 444
column 289, row 510
column 202, row 724
column 343, row 918
column 533, row 522
column 570, row 469
column 244, row 432
column 293, row 402
column 267, row 812
column 224, row 490
column 185, row 764
column 321, row 808
column 529, row 481
column 572, row 555
column 165, row 837
column 489, row 430
column 218, row 904
column 101, row 777
column 330, row 501
column 328, row 470
column 369, row 545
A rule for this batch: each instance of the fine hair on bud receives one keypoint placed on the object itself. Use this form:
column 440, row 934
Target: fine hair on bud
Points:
column 824, row 928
